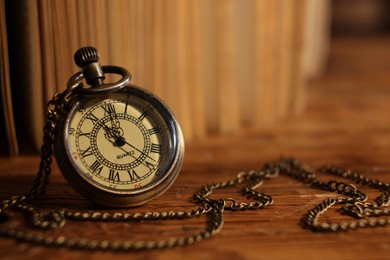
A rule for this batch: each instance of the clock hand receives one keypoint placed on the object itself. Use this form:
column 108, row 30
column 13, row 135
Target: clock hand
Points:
column 120, row 141
column 112, row 132
column 109, row 132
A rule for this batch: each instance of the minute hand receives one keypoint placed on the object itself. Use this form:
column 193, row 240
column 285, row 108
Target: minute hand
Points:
column 122, row 139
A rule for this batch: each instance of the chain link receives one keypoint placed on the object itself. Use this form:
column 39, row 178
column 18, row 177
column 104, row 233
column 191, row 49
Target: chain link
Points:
column 353, row 203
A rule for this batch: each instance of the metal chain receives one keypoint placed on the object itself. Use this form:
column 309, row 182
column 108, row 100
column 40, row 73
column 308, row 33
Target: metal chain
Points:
column 212, row 209
column 353, row 202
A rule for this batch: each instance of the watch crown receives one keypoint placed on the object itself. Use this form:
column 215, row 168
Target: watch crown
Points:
column 85, row 56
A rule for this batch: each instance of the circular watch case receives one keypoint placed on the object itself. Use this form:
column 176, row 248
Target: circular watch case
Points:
column 119, row 166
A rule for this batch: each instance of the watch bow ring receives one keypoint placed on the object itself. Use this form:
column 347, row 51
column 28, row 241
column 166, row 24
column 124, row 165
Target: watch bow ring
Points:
column 87, row 58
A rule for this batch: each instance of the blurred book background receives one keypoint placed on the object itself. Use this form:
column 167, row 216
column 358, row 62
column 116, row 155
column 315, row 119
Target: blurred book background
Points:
column 223, row 66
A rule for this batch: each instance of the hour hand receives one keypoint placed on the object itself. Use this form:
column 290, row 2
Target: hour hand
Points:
column 112, row 132
column 115, row 121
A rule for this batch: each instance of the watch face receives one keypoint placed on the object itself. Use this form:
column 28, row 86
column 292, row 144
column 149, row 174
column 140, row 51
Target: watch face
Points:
column 122, row 143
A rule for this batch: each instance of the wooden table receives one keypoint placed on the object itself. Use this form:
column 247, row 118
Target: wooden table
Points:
column 346, row 124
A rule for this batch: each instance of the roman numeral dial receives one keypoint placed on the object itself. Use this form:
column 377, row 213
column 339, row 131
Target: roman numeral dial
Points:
column 122, row 142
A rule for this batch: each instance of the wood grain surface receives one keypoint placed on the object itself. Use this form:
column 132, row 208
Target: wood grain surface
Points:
column 345, row 124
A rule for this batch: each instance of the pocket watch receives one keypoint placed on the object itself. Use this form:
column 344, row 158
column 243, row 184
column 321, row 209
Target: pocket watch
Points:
column 117, row 144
